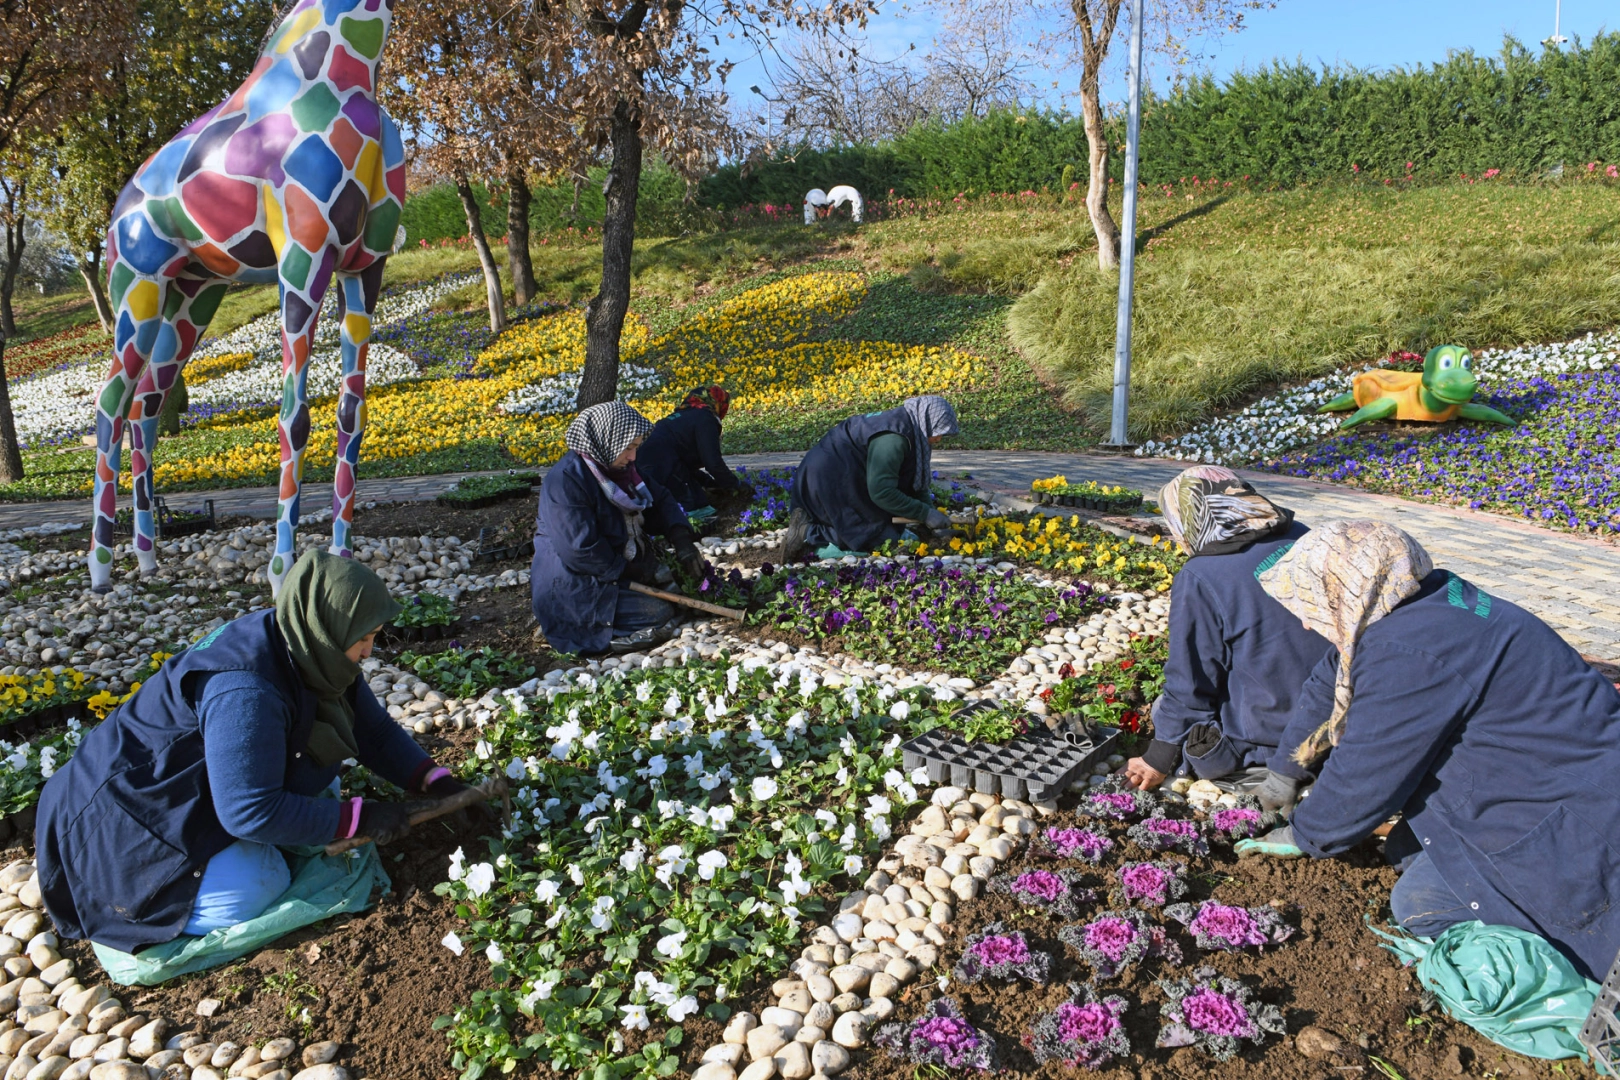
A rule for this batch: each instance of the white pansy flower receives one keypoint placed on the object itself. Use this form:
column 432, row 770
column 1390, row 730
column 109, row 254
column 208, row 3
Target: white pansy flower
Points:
column 763, row 788
column 709, row 863
column 480, row 877
column 452, row 941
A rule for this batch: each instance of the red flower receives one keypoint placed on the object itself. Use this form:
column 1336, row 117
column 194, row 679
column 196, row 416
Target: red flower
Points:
column 1066, row 671
column 1131, row 721
column 1126, row 665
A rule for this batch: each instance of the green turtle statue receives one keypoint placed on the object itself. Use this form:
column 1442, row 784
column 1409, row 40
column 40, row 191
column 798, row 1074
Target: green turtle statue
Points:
column 1442, row 391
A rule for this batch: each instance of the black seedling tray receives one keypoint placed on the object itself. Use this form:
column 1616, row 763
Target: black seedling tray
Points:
column 488, row 551
column 1101, row 503
column 1038, row 766
column 168, row 524
column 1601, row 1032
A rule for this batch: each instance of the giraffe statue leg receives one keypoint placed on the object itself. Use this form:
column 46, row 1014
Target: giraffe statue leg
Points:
column 359, row 296
column 301, row 297
column 136, row 334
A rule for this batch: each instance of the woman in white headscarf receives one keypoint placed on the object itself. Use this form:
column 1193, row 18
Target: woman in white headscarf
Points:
column 591, row 539
column 1475, row 721
column 866, row 472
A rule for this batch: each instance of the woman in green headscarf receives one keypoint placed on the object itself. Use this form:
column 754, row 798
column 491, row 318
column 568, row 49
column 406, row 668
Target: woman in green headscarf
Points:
column 170, row 818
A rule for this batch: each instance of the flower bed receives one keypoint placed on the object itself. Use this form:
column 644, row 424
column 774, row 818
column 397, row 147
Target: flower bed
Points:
column 43, row 354
column 1064, row 545
column 769, row 506
column 1118, row 693
column 1057, row 491
column 962, row 619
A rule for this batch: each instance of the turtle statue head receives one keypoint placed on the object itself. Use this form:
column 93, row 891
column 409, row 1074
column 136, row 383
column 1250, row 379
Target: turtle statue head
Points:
column 1448, row 374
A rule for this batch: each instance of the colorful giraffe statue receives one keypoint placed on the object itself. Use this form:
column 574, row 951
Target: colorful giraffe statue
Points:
column 298, row 176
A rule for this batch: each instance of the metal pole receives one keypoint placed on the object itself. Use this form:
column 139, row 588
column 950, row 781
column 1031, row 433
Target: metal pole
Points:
column 1117, row 436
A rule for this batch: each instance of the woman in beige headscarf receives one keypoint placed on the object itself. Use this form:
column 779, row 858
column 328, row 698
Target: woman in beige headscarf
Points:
column 1472, row 718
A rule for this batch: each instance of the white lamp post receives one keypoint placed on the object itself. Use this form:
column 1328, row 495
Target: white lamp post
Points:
column 1117, row 437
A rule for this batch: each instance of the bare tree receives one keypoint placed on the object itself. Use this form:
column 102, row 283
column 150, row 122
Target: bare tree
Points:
column 14, row 210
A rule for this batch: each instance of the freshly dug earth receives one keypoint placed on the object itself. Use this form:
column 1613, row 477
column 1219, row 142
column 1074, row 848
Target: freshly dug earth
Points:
column 1331, row 974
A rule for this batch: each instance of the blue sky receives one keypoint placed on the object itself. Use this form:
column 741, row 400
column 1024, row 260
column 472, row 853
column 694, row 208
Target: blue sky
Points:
column 1362, row 33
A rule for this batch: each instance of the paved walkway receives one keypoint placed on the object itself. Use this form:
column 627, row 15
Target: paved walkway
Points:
column 1572, row 582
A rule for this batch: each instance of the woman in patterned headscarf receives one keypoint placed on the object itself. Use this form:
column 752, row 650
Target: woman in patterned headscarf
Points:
column 591, row 542
column 866, row 472
column 1237, row 658
column 1473, row 719
column 682, row 452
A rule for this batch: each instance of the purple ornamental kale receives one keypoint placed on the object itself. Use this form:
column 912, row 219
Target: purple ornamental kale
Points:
column 1214, row 1015
column 1118, row 801
column 1169, row 834
column 995, row 953
column 941, row 1036
column 1150, row 884
column 1082, row 844
column 1085, row 1032
column 1116, row 939
column 1220, row 928
column 1058, row 893
column 1241, row 822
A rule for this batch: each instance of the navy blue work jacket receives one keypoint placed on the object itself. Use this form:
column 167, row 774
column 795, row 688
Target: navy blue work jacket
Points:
column 1237, row 657
column 682, row 453
column 579, row 538
column 126, row 827
column 1499, row 744
column 830, row 484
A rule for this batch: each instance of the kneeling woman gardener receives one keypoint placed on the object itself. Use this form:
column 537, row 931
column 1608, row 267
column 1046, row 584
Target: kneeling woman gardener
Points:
column 170, row 818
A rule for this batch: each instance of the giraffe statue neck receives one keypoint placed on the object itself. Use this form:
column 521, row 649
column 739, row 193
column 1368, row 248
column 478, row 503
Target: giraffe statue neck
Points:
column 351, row 32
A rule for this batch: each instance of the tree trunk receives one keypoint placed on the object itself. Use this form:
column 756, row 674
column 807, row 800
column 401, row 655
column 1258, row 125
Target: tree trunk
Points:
column 517, row 238
column 90, row 270
column 1102, row 223
column 486, row 258
column 15, row 242
column 604, row 315
column 11, row 464
column 573, row 211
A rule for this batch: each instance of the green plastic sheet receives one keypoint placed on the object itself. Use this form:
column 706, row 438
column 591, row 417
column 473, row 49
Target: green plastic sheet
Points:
column 322, row 886
column 1509, row 985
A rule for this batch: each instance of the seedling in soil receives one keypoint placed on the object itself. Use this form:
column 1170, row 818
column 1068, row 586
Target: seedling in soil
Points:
column 941, row 1036
column 1216, row 1015
column 292, row 989
column 1116, row 939
column 1085, row 1032
column 996, row 953
column 1220, row 928
column 1388, row 1069
column 1058, row 894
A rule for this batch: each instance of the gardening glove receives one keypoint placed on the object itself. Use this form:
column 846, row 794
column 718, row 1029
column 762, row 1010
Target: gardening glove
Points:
column 383, row 822
column 443, row 785
column 1278, row 793
column 937, row 521
column 1278, row 844
column 686, row 552
column 643, row 569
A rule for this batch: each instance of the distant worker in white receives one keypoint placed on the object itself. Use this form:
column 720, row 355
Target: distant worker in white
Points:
column 818, row 203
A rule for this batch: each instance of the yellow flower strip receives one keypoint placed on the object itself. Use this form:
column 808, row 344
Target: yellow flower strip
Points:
column 209, row 368
column 1065, row 545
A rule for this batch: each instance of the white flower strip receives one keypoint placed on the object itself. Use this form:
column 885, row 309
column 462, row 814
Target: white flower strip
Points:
column 557, row 394
column 1287, row 420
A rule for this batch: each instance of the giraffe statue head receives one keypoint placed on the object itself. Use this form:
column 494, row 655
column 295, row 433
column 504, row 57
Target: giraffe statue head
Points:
column 298, row 177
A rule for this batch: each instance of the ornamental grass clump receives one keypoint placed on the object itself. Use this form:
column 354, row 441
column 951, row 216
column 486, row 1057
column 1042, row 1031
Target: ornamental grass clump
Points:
column 1221, row 928
column 1215, row 1015
column 941, row 1036
column 1169, row 834
column 1117, row 801
column 1004, row 955
column 1085, row 1032
column 1116, row 939
column 1082, row 844
column 1056, row 893
column 1150, row 884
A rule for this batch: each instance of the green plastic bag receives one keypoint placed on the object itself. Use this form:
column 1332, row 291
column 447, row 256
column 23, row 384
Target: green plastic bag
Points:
column 322, row 886
column 1509, row 985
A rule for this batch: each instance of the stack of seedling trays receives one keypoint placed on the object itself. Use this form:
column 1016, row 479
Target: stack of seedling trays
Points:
column 168, row 524
column 1039, row 765
column 1087, row 497
column 477, row 492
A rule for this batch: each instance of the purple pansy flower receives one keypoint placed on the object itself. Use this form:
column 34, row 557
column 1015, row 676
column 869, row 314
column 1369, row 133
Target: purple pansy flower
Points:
column 941, row 1036
column 1085, row 1032
column 1219, row 927
column 1151, row 884
column 1054, row 892
column 1214, row 1015
column 995, row 953
column 1169, row 834
column 1082, row 844
column 1116, row 939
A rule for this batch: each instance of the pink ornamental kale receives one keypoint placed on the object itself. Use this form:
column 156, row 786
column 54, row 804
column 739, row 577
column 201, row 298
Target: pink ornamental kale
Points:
column 1221, row 928
column 1117, row 801
column 941, row 1036
column 1169, row 834
column 1116, row 939
column 1059, row 893
column 1085, row 1032
column 1214, row 1015
column 998, row 954
column 1151, row 884
column 1082, row 844
column 1241, row 822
